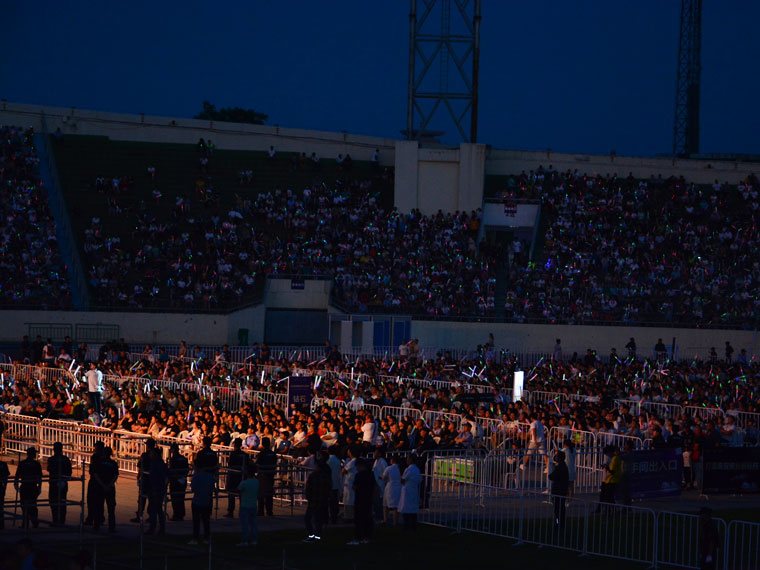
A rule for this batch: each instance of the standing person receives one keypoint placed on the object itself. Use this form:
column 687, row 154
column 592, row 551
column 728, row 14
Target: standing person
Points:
column 29, row 484
column 249, row 496
column 709, row 540
column 364, row 491
column 59, row 471
column 560, row 479
column 614, row 474
column 203, row 492
column 317, row 494
column 349, row 472
column 378, row 469
column 392, row 491
column 537, row 442
column 409, row 503
column 568, row 449
column 143, row 478
column 92, row 491
column 235, row 465
column 106, row 474
column 159, row 478
column 178, row 470
column 266, row 466
column 5, row 474
column 557, row 352
column 334, row 464
column 631, row 346
column 206, row 459
column 94, row 379
column 729, row 352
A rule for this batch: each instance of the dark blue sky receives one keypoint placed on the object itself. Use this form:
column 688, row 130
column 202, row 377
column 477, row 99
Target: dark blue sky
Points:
column 578, row 76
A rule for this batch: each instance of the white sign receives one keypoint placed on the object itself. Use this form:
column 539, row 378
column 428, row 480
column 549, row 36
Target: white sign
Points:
column 517, row 386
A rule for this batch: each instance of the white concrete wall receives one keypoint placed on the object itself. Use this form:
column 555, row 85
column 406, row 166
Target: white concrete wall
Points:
column 502, row 162
column 314, row 295
column 438, row 181
column 154, row 328
column 433, row 179
column 406, row 175
column 578, row 338
column 236, row 136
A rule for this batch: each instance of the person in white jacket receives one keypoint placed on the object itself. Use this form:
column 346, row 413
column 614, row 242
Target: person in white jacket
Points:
column 378, row 468
column 409, row 503
column 392, row 490
column 349, row 474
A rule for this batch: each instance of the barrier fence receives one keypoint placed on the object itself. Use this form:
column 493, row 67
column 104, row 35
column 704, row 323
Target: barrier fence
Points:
column 588, row 527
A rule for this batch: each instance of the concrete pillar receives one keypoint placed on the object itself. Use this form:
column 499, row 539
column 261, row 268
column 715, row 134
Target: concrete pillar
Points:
column 346, row 328
column 406, row 183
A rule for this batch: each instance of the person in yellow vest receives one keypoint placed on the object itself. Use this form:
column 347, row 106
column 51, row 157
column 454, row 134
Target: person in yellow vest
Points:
column 614, row 470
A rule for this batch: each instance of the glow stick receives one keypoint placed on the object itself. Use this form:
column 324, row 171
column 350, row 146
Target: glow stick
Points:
column 189, row 411
column 77, row 370
column 72, row 364
column 262, row 376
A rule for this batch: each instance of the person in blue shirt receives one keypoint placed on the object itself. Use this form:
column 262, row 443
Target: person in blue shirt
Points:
column 203, row 491
column 249, row 496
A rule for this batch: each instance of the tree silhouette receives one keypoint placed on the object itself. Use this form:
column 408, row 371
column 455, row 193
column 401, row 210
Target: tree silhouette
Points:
column 231, row 114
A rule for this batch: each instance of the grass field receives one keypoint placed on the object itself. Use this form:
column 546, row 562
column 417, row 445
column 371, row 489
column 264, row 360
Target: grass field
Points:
column 429, row 547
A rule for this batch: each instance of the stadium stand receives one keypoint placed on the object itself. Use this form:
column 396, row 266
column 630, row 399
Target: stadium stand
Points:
column 31, row 270
column 639, row 251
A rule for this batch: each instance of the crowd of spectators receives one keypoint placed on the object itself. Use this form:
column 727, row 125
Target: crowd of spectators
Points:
column 657, row 250
column 204, row 255
column 469, row 398
column 31, row 270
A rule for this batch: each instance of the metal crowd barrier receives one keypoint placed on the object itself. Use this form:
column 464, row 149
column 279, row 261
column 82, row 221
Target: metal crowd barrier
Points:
column 588, row 527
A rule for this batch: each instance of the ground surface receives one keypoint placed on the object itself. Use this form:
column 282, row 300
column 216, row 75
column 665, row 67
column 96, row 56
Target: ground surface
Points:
column 281, row 539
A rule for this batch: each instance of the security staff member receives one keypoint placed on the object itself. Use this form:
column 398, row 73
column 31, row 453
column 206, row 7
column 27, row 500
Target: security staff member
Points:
column 29, row 484
column 178, row 471
column 59, row 470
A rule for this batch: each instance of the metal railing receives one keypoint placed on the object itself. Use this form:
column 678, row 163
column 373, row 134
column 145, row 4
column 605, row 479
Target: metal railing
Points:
column 585, row 526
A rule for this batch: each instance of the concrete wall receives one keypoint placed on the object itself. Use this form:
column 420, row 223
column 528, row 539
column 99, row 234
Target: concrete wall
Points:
column 235, row 136
column 280, row 295
column 502, row 162
column 433, row 179
column 578, row 338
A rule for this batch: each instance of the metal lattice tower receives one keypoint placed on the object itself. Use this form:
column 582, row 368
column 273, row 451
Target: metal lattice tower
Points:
column 686, row 126
column 452, row 37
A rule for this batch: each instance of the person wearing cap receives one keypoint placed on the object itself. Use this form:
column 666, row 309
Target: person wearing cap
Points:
column 560, row 478
column 178, row 470
column 59, row 470
column 29, row 484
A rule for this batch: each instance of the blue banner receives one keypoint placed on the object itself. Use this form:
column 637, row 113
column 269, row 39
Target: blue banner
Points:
column 648, row 474
column 299, row 393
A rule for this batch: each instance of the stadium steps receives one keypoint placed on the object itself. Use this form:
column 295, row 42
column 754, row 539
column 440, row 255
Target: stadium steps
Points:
column 538, row 246
column 500, row 290
column 82, row 158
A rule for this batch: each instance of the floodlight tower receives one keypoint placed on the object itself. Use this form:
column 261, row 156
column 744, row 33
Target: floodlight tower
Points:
column 686, row 125
column 450, row 38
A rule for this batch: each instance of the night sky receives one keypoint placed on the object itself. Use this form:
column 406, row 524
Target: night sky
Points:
column 577, row 76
